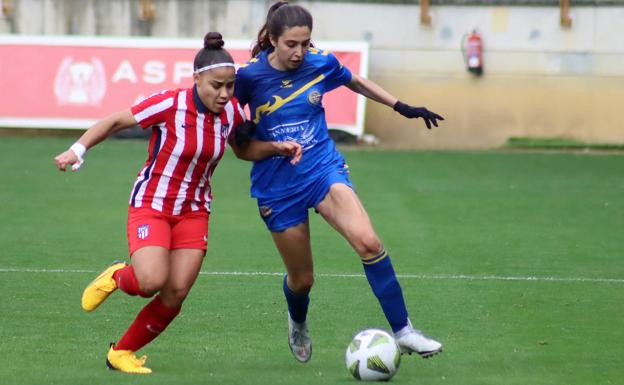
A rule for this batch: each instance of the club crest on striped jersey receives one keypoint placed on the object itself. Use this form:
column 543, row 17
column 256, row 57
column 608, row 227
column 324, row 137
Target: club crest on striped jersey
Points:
column 143, row 231
column 224, row 129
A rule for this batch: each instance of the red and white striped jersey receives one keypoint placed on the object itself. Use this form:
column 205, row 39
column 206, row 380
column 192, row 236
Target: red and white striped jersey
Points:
column 186, row 145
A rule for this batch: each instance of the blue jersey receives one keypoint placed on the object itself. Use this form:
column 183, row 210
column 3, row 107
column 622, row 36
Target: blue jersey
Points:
column 288, row 106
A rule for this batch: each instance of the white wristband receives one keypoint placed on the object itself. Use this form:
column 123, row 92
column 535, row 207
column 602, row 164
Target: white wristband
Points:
column 79, row 149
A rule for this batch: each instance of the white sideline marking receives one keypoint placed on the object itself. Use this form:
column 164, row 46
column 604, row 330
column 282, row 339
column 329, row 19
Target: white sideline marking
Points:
column 331, row 275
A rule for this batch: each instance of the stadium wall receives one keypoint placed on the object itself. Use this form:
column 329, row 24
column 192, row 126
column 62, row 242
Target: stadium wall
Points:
column 540, row 79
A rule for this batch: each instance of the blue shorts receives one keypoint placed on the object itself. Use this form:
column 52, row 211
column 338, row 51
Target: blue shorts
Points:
column 283, row 212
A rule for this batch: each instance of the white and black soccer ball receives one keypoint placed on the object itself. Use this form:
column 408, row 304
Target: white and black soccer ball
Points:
column 373, row 355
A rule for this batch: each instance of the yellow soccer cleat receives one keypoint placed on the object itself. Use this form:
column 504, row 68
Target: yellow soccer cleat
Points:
column 125, row 361
column 101, row 287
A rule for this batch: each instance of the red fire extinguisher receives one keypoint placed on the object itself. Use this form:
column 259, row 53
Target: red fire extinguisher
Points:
column 472, row 49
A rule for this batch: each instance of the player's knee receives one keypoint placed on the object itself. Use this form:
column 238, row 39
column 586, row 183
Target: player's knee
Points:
column 150, row 285
column 302, row 283
column 174, row 297
column 367, row 245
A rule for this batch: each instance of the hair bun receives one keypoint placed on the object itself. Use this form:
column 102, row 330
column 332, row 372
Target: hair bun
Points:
column 213, row 40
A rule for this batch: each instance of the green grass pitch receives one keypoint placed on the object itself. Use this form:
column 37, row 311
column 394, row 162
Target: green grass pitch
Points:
column 513, row 260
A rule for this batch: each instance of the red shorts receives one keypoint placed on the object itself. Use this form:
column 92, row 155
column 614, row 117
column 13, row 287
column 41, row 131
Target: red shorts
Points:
column 148, row 227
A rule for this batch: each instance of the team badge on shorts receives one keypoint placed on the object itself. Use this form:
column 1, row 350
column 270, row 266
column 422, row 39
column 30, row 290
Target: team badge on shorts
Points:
column 265, row 211
column 143, row 231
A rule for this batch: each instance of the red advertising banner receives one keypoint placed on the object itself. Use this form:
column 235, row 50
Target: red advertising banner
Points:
column 69, row 82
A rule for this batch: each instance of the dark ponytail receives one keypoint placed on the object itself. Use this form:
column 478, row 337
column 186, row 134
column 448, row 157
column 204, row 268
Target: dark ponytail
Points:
column 281, row 15
column 213, row 52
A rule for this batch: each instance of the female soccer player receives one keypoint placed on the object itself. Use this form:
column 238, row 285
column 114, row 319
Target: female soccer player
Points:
column 170, row 200
column 283, row 84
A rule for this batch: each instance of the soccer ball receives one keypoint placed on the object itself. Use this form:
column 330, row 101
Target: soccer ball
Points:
column 373, row 355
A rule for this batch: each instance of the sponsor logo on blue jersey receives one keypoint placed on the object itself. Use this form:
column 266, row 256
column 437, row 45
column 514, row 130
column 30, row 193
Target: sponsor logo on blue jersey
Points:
column 301, row 132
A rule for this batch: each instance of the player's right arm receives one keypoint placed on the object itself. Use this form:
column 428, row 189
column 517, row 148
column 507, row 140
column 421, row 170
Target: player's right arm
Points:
column 146, row 113
column 95, row 134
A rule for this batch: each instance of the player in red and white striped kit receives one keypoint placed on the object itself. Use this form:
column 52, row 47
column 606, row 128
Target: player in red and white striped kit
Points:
column 170, row 201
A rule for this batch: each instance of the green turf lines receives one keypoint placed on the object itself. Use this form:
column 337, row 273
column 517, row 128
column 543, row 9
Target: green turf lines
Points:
column 460, row 226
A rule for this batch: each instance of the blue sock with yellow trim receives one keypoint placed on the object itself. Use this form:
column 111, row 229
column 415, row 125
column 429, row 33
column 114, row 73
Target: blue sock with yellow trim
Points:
column 383, row 281
column 297, row 303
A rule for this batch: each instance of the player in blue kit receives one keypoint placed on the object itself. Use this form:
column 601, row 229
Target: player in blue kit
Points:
column 284, row 84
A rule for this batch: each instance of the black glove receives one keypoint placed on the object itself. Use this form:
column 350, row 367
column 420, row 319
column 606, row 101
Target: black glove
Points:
column 244, row 132
column 417, row 112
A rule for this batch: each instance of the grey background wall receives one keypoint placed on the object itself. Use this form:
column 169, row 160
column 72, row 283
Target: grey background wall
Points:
column 540, row 80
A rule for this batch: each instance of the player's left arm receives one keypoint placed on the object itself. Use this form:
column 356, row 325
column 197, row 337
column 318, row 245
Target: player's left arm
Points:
column 375, row 92
column 246, row 147
column 258, row 149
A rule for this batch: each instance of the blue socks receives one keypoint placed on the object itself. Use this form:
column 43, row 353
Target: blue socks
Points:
column 297, row 303
column 383, row 281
